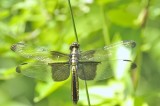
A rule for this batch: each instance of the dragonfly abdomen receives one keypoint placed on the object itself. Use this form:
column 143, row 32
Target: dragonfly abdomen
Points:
column 75, row 85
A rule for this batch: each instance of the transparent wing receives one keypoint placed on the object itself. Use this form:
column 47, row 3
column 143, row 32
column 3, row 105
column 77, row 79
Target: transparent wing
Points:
column 38, row 70
column 39, row 54
column 103, row 70
column 57, row 56
column 108, row 52
column 45, row 72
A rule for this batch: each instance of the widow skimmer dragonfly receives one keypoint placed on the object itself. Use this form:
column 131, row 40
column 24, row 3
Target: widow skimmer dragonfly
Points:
column 88, row 65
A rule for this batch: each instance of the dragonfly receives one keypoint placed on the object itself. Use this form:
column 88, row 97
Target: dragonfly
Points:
column 87, row 65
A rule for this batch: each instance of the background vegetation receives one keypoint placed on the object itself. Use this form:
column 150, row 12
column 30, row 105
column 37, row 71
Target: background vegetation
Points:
column 99, row 22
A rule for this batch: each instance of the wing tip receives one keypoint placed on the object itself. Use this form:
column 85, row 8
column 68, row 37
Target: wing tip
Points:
column 18, row 68
column 130, row 42
column 133, row 65
column 13, row 47
column 17, row 46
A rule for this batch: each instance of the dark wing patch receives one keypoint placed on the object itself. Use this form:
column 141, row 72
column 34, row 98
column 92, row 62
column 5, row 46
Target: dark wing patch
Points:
column 60, row 71
column 87, row 70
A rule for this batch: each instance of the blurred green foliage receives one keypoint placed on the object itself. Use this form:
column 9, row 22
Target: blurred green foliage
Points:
column 99, row 22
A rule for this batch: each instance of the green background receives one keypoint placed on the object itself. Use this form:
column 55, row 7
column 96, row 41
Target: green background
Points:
column 48, row 23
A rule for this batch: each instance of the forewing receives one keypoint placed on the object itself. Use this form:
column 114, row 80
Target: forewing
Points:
column 106, row 53
column 38, row 70
column 39, row 54
column 60, row 71
column 58, row 56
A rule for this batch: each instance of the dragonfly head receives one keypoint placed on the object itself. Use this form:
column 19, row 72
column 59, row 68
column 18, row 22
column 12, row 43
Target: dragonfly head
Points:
column 74, row 45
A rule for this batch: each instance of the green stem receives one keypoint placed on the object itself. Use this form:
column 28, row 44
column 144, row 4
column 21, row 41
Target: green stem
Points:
column 105, row 27
column 73, row 22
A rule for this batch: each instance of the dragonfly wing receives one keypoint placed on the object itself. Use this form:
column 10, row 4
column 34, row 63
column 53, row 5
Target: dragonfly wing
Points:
column 92, row 70
column 39, row 54
column 44, row 71
column 58, row 56
column 87, row 70
column 106, row 53
column 60, row 71
column 38, row 70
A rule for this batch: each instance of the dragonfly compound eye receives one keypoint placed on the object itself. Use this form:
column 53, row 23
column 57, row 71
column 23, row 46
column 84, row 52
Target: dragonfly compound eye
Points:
column 74, row 45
